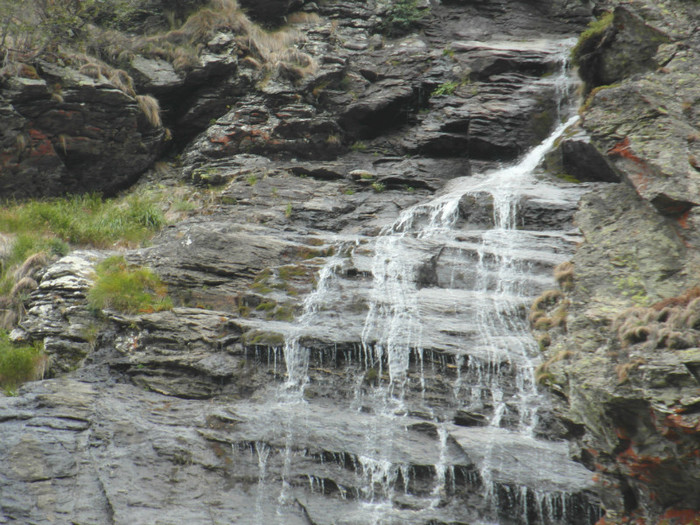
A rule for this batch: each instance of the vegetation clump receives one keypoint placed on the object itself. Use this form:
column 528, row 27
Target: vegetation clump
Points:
column 127, row 288
column 591, row 36
column 402, row 17
column 673, row 323
column 19, row 363
column 564, row 275
column 85, row 219
column 448, row 88
column 89, row 36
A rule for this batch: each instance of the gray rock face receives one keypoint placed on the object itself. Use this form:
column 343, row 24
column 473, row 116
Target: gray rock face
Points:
column 190, row 415
column 625, row 360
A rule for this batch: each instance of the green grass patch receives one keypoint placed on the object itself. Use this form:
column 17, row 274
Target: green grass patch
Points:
column 127, row 288
column 266, row 306
column 86, row 219
column 567, row 178
column 261, row 338
column 448, row 88
column 51, row 226
column 286, row 273
column 19, row 363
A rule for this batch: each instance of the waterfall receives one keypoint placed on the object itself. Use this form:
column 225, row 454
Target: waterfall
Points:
column 446, row 289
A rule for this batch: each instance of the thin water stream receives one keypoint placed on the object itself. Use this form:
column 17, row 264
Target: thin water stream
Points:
column 444, row 321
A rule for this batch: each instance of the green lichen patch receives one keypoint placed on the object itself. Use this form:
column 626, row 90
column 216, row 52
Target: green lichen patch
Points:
column 591, row 36
column 263, row 338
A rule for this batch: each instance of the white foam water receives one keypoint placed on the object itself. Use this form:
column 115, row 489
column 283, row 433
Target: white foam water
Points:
column 494, row 366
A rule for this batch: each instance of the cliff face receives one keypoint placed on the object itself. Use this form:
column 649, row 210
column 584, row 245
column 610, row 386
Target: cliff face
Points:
column 626, row 365
column 311, row 151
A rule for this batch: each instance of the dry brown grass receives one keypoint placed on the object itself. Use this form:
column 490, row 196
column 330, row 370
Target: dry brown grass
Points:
column 31, row 265
column 564, row 275
column 302, row 18
column 150, row 107
column 23, row 287
column 636, row 334
column 544, row 341
column 277, row 51
column 672, row 323
column 122, row 81
column 547, row 299
column 623, row 370
column 543, row 374
column 681, row 300
column 549, row 310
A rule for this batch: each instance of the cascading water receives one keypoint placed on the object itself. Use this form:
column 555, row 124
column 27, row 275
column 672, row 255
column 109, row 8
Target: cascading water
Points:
column 445, row 297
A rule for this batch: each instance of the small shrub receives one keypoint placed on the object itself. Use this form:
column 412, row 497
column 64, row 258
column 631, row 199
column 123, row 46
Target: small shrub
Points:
column 19, row 364
column 401, row 17
column 127, row 288
column 448, row 88
column 378, row 186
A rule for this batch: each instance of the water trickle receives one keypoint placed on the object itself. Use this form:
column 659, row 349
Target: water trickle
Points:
column 446, row 300
column 263, row 453
column 296, row 355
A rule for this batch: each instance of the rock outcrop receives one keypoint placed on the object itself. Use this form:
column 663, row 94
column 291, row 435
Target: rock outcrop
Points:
column 626, row 362
column 65, row 132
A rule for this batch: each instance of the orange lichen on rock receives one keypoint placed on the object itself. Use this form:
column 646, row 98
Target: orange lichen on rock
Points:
column 640, row 177
column 682, row 516
column 41, row 143
column 683, row 220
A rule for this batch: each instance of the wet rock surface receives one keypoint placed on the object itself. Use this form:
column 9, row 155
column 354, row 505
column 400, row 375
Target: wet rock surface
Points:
column 170, row 417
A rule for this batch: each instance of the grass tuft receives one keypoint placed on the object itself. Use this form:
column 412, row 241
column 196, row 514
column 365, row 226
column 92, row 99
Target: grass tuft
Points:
column 19, row 364
column 150, row 107
column 126, row 288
